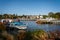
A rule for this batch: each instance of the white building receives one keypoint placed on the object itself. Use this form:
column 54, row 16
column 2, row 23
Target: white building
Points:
column 41, row 17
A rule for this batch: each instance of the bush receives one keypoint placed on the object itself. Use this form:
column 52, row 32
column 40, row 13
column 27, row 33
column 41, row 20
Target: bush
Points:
column 21, row 35
column 2, row 27
column 39, row 35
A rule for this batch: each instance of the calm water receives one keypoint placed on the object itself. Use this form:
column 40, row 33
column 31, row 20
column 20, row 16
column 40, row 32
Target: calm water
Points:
column 47, row 27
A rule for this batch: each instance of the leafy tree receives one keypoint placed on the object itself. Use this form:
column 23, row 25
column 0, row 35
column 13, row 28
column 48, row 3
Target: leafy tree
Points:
column 24, row 16
column 57, row 15
column 0, row 16
column 54, row 15
column 5, row 15
column 44, row 16
column 51, row 14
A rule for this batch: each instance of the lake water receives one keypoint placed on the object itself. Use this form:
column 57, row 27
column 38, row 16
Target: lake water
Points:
column 32, row 25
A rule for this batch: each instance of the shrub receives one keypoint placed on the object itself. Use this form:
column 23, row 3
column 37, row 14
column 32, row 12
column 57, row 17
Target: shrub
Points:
column 39, row 35
column 2, row 26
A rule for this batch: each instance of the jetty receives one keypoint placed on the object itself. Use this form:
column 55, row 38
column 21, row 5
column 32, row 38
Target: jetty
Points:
column 56, row 21
column 47, row 21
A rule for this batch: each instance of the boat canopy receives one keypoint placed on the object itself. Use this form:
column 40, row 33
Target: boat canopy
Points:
column 16, row 23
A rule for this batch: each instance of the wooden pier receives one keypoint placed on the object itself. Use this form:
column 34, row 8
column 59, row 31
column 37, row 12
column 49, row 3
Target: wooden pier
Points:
column 56, row 22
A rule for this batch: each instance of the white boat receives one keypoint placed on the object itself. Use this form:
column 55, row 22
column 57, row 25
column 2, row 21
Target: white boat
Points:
column 18, row 25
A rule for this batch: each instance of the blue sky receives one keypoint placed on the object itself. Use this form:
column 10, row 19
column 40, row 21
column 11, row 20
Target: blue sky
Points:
column 29, row 7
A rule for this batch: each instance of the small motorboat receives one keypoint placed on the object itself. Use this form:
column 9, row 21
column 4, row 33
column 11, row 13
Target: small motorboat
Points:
column 18, row 25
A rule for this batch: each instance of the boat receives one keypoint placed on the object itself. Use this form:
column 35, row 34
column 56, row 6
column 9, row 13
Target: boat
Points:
column 17, row 25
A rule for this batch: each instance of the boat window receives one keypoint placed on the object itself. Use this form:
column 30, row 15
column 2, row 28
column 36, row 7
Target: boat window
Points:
column 16, row 24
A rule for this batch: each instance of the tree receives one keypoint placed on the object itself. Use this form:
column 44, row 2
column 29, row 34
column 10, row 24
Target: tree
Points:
column 14, row 16
column 51, row 14
column 0, row 16
column 57, row 15
column 44, row 16
column 24, row 16
column 5, row 16
column 54, row 15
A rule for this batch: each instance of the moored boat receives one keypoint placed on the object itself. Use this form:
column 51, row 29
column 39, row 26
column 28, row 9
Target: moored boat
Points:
column 18, row 25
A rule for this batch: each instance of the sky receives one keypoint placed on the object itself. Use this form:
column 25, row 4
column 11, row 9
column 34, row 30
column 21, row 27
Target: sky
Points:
column 29, row 7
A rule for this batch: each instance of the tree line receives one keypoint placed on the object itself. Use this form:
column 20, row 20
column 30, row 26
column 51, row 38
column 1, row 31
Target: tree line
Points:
column 10, row 16
column 54, row 15
column 14, row 16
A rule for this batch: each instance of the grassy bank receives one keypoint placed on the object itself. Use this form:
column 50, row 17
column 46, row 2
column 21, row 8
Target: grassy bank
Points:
column 34, row 35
